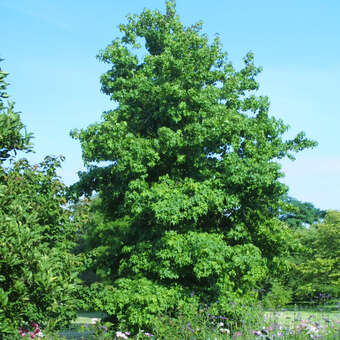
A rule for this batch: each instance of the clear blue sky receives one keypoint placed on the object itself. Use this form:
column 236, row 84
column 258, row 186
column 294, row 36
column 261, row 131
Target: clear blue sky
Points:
column 50, row 46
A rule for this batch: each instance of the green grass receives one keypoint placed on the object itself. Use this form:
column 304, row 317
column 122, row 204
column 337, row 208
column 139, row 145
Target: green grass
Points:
column 86, row 317
column 291, row 318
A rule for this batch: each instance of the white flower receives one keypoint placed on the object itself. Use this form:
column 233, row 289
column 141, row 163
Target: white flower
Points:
column 121, row 335
column 313, row 329
column 94, row 321
column 225, row 330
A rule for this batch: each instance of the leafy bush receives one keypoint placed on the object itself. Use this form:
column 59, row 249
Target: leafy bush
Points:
column 210, row 272
column 38, row 274
column 278, row 296
column 135, row 304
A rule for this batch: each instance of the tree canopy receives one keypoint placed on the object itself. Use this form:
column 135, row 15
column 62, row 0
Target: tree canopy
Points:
column 190, row 189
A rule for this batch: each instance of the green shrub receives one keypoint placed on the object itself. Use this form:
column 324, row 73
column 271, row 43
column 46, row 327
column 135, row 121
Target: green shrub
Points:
column 207, row 267
column 278, row 296
column 136, row 304
column 38, row 273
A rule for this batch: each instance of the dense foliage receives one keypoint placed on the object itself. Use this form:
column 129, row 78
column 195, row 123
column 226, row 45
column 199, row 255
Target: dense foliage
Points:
column 190, row 190
column 38, row 273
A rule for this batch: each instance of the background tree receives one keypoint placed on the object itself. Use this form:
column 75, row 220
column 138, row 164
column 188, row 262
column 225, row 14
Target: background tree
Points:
column 277, row 290
column 299, row 214
column 191, row 191
column 315, row 274
column 38, row 273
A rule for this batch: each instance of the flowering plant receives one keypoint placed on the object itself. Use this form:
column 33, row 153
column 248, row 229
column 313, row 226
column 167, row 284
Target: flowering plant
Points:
column 36, row 332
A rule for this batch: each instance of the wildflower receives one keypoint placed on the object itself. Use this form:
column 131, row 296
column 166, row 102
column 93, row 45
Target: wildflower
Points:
column 258, row 333
column 225, row 330
column 313, row 329
column 121, row 335
column 236, row 334
column 189, row 328
column 37, row 328
column 148, row 334
column 22, row 333
column 32, row 335
column 94, row 321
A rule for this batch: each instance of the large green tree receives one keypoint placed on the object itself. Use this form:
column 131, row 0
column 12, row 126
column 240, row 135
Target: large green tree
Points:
column 190, row 189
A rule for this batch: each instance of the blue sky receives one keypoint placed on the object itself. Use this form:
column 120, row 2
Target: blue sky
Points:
column 50, row 46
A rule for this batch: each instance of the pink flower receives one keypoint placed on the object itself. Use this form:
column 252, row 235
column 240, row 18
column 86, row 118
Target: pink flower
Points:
column 257, row 333
column 236, row 334
column 32, row 335
column 147, row 334
column 22, row 333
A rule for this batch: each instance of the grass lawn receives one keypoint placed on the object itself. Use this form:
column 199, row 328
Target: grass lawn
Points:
column 291, row 317
column 84, row 317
